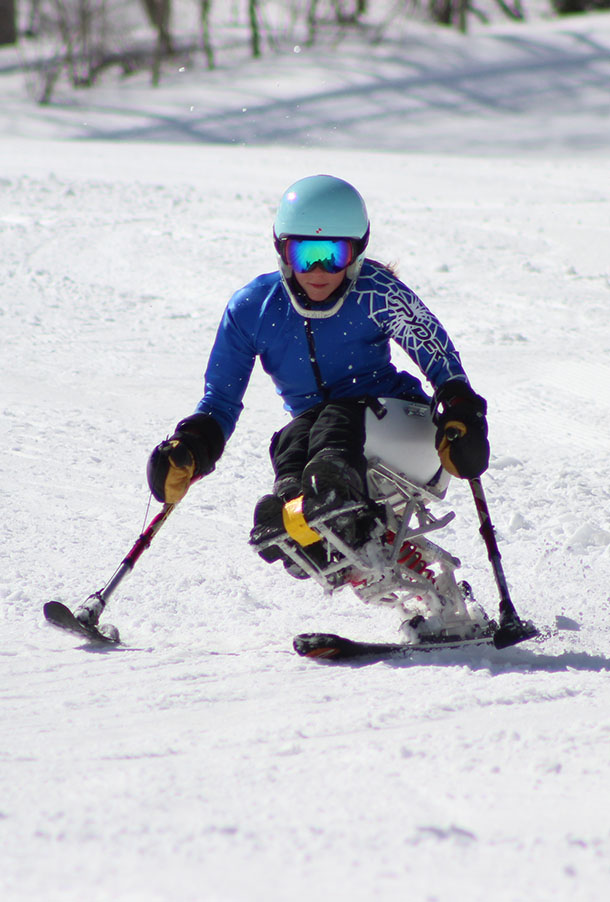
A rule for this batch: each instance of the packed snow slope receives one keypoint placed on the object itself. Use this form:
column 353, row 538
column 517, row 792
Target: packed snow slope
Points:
column 202, row 760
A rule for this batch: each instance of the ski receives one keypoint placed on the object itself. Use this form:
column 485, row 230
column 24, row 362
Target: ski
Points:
column 60, row 616
column 330, row 647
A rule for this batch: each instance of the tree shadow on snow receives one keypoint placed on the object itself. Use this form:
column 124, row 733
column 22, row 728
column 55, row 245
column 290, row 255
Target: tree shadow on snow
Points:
column 402, row 84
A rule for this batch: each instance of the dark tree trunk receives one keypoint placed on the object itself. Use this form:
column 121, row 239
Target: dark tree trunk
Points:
column 8, row 22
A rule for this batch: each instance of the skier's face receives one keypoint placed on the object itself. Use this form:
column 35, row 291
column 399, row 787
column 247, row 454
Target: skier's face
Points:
column 318, row 284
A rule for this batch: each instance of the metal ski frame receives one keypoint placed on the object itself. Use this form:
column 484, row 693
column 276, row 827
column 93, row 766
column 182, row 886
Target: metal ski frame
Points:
column 405, row 501
column 398, row 563
column 411, row 521
column 127, row 564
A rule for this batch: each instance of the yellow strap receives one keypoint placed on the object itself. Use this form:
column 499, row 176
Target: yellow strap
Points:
column 296, row 525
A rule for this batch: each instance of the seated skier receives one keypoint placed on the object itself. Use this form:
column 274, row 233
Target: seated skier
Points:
column 321, row 325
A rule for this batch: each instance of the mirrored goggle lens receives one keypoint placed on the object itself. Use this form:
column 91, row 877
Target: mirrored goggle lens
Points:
column 333, row 255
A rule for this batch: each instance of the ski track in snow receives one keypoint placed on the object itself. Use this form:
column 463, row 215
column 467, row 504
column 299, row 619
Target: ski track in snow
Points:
column 202, row 760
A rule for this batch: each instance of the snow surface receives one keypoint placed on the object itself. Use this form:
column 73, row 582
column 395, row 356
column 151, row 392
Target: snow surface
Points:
column 203, row 760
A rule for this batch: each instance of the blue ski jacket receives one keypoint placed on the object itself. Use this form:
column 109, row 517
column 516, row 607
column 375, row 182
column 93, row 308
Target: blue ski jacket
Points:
column 315, row 360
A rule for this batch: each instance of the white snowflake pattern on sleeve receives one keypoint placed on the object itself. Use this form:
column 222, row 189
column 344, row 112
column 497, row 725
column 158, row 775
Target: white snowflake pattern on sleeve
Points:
column 401, row 314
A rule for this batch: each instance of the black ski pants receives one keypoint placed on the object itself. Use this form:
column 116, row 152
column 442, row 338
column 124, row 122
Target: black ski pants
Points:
column 336, row 426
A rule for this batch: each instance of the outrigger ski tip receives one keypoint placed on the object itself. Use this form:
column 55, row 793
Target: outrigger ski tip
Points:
column 514, row 631
column 60, row 616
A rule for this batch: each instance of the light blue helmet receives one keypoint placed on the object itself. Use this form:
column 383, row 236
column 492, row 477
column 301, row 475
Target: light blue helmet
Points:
column 322, row 206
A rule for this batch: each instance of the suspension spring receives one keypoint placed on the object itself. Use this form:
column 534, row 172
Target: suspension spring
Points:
column 411, row 558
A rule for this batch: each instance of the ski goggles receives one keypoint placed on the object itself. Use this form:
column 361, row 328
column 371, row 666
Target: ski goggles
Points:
column 303, row 254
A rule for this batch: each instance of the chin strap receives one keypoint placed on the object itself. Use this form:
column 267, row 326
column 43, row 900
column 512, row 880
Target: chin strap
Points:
column 312, row 313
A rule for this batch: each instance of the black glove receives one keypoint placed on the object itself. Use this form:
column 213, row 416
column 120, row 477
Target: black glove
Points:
column 461, row 434
column 190, row 453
